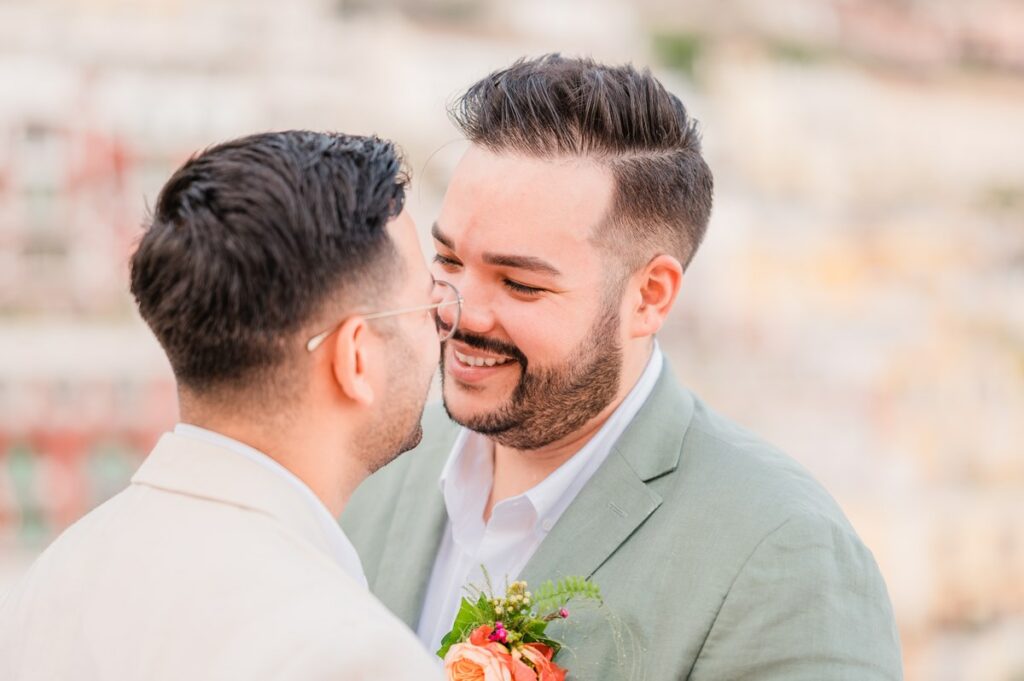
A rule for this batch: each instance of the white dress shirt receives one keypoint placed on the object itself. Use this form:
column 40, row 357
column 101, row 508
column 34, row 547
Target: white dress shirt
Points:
column 518, row 524
column 342, row 550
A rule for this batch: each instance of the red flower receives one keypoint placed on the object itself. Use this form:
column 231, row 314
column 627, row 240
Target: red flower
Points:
column 481, row 636
column 540, row 656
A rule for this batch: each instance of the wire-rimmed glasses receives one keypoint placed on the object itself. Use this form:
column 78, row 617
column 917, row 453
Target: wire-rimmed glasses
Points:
column 444, row 292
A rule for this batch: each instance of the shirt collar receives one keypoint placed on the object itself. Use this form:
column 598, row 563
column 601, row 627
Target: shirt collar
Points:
column 343, row 552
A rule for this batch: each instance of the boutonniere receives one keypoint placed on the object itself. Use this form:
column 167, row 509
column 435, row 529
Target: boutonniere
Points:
column 504, row 638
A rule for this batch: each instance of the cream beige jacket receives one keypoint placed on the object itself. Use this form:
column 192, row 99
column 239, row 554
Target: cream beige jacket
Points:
column 207, row 566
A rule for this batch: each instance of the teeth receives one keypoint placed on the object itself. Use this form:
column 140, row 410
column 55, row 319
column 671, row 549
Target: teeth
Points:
column 480, row 361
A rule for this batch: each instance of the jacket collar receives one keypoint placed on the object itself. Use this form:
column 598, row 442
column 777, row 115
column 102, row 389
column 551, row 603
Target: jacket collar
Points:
column 615, row 502
column 618, row 499
column 190, row 467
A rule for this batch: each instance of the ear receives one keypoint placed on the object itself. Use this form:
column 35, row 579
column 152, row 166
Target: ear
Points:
column 658, row 284
column 350, row 364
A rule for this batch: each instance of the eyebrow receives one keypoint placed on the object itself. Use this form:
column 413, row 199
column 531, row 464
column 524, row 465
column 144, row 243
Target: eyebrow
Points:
column 522, row 262
column 435, row 231
column 519, row 262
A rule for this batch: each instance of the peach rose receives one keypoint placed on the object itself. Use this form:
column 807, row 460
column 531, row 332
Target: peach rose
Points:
column 468, row 662
column 540, row 656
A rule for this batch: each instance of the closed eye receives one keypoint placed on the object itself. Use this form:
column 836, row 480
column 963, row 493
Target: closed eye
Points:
column 450, row 264
column 523, row 289
column 446, row 262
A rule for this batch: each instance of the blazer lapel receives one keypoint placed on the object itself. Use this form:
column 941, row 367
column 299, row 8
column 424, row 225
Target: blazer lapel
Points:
column 415, row 534
column 617, row 500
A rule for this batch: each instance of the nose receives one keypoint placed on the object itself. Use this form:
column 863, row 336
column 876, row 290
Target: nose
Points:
column 476, row 319
column 477, row 313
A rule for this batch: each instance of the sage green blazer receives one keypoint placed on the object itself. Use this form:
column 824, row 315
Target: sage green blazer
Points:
column 718, row 556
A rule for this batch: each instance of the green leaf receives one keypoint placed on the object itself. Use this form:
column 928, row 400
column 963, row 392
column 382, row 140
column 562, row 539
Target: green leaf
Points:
column 470, row 617
column 535, row 627
column 484, row 609
column 450, row 639
column 533, row 632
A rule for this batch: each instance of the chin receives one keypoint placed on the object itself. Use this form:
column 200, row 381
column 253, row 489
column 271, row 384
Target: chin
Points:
column 413, row 441
column 468, row 401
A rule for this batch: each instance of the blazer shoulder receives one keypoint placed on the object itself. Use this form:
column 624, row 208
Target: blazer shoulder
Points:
column 764, row 621
column 744, row 474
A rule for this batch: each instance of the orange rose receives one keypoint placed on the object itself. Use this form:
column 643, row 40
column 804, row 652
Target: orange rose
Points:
column 540, row 656
column 520, row 670
column 468, row 662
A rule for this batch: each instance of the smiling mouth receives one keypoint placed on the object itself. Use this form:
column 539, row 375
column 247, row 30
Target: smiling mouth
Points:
column 477, row 361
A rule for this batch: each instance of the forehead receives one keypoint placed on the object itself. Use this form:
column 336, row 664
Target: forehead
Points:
column 509, row 203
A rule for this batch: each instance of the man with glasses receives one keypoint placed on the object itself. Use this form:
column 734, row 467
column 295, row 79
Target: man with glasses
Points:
column 286, row 285
column 569, row 448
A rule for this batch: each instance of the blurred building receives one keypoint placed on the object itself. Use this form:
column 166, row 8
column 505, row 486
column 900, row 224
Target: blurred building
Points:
column 858, row 300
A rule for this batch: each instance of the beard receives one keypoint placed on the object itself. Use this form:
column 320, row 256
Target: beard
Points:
column 551, row 403
column 399, row 427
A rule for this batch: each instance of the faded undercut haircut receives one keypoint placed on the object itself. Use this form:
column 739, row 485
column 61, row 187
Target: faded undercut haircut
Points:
column 250, row 240
column 557, row 107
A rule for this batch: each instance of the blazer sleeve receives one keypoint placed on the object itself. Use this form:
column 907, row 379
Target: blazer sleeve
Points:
column 376, row 655
column 809, row 603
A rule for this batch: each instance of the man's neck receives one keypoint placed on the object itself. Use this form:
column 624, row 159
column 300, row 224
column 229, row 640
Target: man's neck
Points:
column 517, row 471
column 297, row 451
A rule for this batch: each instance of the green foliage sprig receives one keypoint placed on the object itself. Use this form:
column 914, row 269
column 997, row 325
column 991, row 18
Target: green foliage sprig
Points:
column 552, row 596
column 518, row 617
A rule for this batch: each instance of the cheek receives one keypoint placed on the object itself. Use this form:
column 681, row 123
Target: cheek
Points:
column 423, row 343
column 545, row 335
column 430, row 344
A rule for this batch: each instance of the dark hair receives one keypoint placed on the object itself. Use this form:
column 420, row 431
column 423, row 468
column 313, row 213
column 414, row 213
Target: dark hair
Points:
column 252, row 238
column 554, row 106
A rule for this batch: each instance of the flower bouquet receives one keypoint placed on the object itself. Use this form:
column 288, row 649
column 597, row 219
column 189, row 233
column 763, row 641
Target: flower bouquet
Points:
column 504, row 639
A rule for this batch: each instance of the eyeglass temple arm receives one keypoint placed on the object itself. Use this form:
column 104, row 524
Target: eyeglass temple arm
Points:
column 314, row 342
column 431, row 306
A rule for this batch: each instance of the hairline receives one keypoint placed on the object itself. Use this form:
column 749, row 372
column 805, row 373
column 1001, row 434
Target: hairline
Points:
column 616, row 215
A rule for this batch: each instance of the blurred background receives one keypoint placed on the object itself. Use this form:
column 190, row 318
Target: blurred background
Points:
column 859, row 299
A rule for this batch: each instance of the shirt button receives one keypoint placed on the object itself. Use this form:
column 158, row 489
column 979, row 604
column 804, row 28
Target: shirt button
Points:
column 547, row 524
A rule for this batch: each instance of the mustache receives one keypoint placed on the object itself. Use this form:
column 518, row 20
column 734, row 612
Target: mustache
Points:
column 490, row 345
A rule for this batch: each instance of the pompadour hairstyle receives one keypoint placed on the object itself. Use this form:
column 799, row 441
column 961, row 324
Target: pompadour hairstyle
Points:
column 554, row 106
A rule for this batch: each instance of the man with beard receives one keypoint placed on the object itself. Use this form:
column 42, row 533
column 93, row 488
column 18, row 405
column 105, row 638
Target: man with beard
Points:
column 570, row 449
column 286, row 284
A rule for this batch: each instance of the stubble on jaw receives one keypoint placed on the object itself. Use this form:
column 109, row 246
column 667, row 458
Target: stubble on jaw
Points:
column 392, row 435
